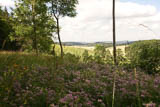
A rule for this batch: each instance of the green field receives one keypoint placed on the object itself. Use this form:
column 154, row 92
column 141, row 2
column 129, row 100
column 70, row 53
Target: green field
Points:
column 78, row 50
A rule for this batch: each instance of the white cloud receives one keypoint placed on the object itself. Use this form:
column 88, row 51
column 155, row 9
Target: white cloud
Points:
column 94, row 21
column 7, row 3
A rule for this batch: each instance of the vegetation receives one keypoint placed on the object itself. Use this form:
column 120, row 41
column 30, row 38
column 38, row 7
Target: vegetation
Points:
column 33, row 25
column 30, row 80
column 145, row 55
column 42, row 74
column 62, row 8
column 5, row 29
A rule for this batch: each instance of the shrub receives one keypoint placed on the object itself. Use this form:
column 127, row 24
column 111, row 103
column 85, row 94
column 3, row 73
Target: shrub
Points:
column 86, row 57
column 27, row 80
column 99, row 53
column 145, row 55
column 71, row 58
column 109, row 57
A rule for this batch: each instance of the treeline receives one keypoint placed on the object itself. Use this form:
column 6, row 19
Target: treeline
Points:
column 32, row 24
column 144, row 55
column 6, row 28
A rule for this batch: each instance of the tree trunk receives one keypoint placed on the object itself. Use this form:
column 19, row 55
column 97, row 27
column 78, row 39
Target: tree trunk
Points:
column 114, row 35
column 34, row 27
column 35, row 37
column 3, row 45
column 58, row 33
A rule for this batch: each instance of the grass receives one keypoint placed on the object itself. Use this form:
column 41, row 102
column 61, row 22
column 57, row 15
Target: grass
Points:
column 118, row 47
column 11, row 59
column 78, row 50
column 43, row 81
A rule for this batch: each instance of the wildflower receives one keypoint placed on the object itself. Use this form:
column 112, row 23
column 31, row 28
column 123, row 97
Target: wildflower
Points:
column 25, row 68
column 75, row 97
column 88, row 81
column 15, row 65
column 150, row 105
column 62, row 100
column 142, row 95
column 52, row 105
column 99, row 100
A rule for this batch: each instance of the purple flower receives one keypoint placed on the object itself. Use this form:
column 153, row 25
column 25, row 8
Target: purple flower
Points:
column 62, row 100
column 99, row 100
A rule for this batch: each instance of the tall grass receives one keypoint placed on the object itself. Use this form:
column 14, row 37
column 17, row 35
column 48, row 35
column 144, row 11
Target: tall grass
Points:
column 72, row 50
column 28, row 80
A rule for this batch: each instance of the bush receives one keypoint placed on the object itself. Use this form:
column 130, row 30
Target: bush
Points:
column 27, row 80
column 109, row 57
column 99, row 53
column 71, row 58
column 145, row 55
column 86, row 57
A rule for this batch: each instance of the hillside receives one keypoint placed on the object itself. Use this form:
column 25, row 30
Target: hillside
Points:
column 89, row 44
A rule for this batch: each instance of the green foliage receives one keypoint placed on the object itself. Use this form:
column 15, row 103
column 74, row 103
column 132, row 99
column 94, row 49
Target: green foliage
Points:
column 109, row 57
column 63, row 8
column 30, row 80
column 71, row 58
column 72, row 50
column 121, row 59
column 145, row 55
column 99, row 53
column 33, row 25
column 6, row 30
column 86, row 57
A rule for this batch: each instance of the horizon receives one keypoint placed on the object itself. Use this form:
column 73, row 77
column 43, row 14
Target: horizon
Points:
column 94, row 21
column 105, row 41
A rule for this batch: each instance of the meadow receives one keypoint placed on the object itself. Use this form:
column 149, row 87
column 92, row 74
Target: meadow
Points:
column 34, row 73
column 28, row 80
column 79, row 50
column 76, row 50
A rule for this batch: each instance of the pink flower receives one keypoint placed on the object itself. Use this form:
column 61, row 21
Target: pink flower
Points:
column 62, row 100
column 99, row 100
column 88, row 81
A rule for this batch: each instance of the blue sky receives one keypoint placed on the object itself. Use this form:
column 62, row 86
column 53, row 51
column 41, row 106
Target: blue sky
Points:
column 146, row 2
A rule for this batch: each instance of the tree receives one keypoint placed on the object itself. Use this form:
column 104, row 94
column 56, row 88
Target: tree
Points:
column 5, row 30
column 62, row 8
column 145, row 55
column 120, row 57
column 33, row 25
column 99, row 53
column 114, row 35
column 86, row 57
column 109, row 57
column 33, row 3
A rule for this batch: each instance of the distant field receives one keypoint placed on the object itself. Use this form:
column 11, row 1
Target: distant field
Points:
column 92, row 48
column 83, row 47
column 118, row 47
column 78, row 50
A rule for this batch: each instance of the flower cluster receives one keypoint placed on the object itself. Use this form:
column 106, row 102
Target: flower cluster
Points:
column 78, row 85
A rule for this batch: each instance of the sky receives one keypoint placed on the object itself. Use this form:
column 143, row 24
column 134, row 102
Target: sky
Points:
column 135, row 20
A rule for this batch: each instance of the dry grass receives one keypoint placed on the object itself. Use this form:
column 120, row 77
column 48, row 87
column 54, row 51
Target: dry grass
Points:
column 118, row 47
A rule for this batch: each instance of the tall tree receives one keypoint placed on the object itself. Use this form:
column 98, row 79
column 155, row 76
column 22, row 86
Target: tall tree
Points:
column 33, row 3
column 114, row 34
column 5, row 29
column 62, row 8
column 33, row 24
column 114, row 52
